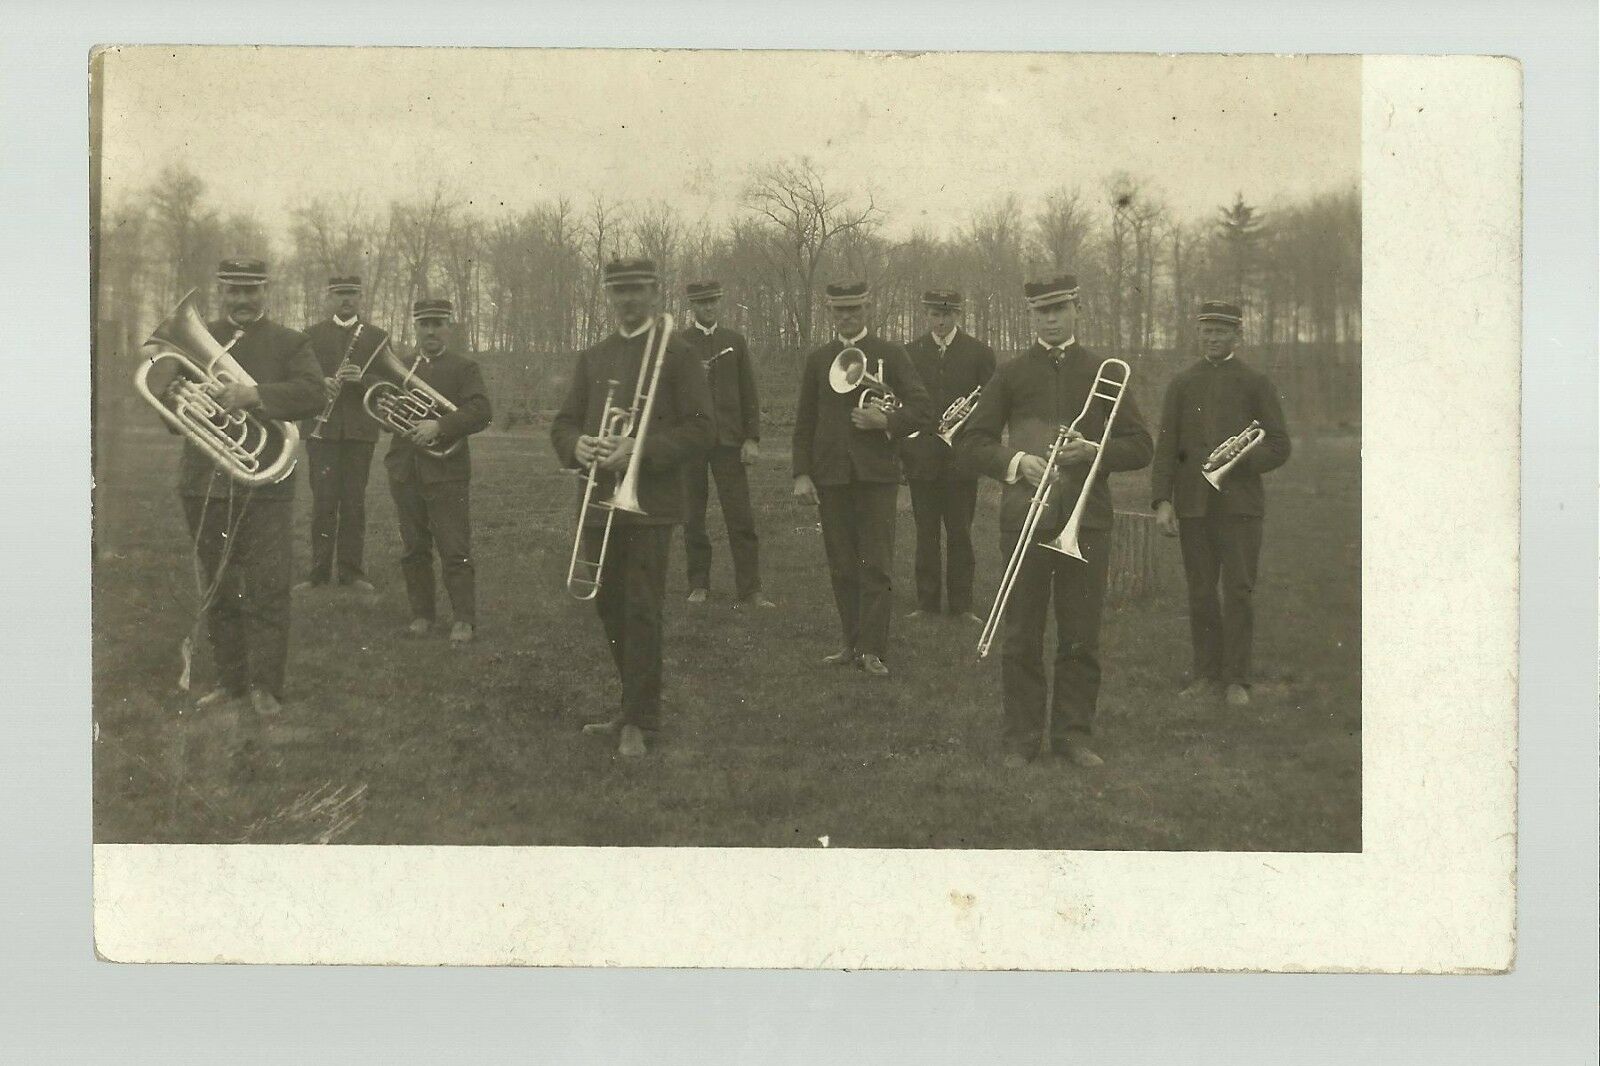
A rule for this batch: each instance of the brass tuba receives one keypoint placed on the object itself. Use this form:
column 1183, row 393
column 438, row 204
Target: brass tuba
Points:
column 399, row 399
column 184, row 367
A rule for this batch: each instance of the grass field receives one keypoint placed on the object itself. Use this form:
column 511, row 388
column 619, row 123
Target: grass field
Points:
column 385, row 741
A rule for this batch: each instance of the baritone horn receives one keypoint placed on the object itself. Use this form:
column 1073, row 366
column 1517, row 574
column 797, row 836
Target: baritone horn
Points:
column 400, row 400
column 183, row 370
column 1109, row 384
column 585, row 572
column 849, row 373
column 1229, row 452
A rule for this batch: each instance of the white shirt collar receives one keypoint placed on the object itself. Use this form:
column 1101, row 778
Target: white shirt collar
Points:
column 853, row 340
column 949, row 338
column 1218, row 362
column 643, row 327
column 346, row 323
column 236, row 324
column 1063, row 346
column 703, row 328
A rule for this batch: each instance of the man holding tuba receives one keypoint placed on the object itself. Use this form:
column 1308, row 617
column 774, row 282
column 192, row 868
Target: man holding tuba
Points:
column 431, row 480
column 242, row 535
column 736, row 410
column 1218, row 529
column 857, row 393
column 340, row 441
column 944, row 494
column 632, row 586
column 1027, row 402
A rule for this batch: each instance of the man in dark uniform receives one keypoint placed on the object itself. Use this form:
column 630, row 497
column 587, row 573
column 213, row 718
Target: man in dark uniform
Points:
column 737, row 414
column 944, row 495
column 432, row 495
column 340, row 445
column 633, row 581
column 241, row 535
column 1030, row 399
column 845, row 463
column 1219, row 530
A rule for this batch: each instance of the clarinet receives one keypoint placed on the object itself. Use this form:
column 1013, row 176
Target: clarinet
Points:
column 327, row 412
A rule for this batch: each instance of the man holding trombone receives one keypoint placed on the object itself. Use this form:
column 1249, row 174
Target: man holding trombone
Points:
column 953, row 366
column 1222, row 427
column 620, row 558
column 1031, row 401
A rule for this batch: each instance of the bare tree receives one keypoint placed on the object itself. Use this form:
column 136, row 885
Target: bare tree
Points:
column 1061, row 227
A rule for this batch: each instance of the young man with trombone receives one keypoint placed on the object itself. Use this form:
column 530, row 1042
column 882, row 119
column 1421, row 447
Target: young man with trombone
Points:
column 340, row 441
column 954, row 367
column 432, row 403
column 1067, row 425
column 736, row 410
column 858, row 392
column 637, row 410
column 247, row 378
column 1222, row 427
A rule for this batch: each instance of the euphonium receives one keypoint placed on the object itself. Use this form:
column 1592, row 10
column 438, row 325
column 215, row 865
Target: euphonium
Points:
column 584, row 574
column 1225, row 455
column 183, row 370
column 849, row 372
column 399, row 399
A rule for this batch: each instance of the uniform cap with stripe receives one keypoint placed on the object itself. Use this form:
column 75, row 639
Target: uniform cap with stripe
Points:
column 1220, row 311
column 847, row 294
column 344, row 283
column 1063, row 288
column 242, row 271
column 703, row 290
column 423, row 310
column 630, row 272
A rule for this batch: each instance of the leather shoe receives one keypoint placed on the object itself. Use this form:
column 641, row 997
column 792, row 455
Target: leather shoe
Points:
column 1014, row 760
column 602, row 729
column 1238, row 696
column 697, row 595
column 918, row 613
column 1079, row 754
column 968, row 616
column 419, row 627
column 217, row 699
column 632, row 744
column 1198, row 688
column 755, row 600
column 306, row 586
column 462, row 633
column 840, row 658
column 265, row 703
column 874, row 666
column 361, row 586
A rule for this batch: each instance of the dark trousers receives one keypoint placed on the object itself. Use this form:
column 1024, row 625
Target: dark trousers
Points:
column 247, row 620
column 858, row 537
column 733, row 493
column 632, row 589
column 1079, row 590
column 944, row 506
column 436, row 515
column 1226, row 547
column 339, row 470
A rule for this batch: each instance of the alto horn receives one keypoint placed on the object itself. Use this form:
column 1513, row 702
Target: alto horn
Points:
column 1110, row 382
column 1229, row 452
column 849, row 373
column 400, row 400
column 183, row 370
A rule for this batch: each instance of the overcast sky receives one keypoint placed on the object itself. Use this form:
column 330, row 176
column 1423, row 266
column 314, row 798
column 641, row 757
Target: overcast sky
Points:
column 931, row 135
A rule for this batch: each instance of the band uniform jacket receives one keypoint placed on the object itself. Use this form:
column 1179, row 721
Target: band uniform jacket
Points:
column 1205, row 405
column 1030, row 399
column 348, row 420
column 735, row 407
column 831, row 450
column 286, row 374
column 680, row 426
column 461, row 382
column 965, row 365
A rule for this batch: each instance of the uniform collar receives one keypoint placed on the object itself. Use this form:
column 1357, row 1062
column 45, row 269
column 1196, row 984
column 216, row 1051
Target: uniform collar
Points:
column 1056, row 353
column 422, row 358
column 245, row 325
column 1218, row 362
column 950, row 338
column 643, row 327
column 703, row 328
column 857, row 339
column 346, row 323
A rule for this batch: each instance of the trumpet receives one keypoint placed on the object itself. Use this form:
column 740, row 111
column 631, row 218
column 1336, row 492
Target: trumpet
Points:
column 1225, row 455
column 955, row 416
column 849, row 372
column 1109, row 384
column 584, row 573
column 183, row 370
column 400, row 400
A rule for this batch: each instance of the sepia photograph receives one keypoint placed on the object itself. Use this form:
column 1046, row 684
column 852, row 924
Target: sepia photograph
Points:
column 727, row 449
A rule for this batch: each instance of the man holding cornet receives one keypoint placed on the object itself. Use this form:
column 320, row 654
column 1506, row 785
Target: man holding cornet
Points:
column 944, row 495
column 1210, row 496
column 858, row 392
column 1028, row 402
column 430, row 475
column 586, row 434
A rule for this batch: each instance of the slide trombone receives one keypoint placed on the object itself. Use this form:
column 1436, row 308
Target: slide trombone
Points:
column 1109, row 385
column 584, row 573
column 1229, row 452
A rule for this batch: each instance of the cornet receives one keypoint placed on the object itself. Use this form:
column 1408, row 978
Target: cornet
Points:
column 1109, row 384
column 1225, row 455
column 583, row 573
column 183, row 370
column 400, row 400
column 955, row 416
